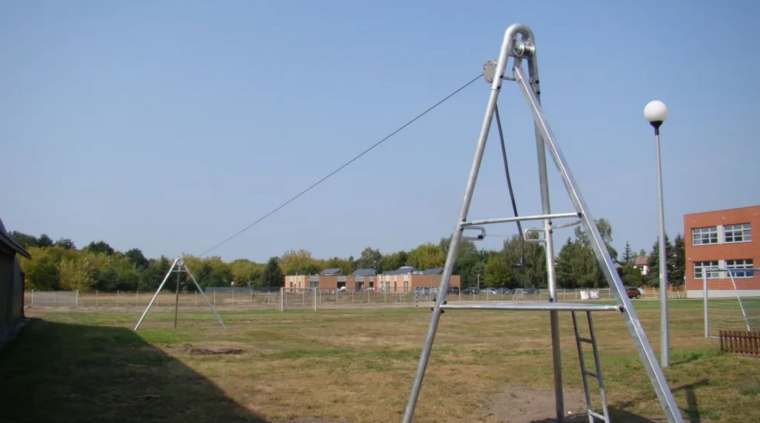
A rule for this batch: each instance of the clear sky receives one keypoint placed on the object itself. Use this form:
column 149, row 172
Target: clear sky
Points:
column 171, row 125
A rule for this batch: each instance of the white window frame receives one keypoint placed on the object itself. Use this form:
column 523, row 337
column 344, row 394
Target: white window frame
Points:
column 740, row 232
column 709, row 233
column 699, row 267
column 737, row 266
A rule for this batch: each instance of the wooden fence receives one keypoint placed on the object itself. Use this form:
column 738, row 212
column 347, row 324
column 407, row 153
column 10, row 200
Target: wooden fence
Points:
column 740, row 342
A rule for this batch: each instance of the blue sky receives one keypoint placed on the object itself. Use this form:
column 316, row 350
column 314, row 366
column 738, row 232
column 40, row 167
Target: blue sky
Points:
column 171, row 125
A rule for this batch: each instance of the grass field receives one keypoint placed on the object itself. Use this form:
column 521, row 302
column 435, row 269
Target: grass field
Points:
column 352, row 365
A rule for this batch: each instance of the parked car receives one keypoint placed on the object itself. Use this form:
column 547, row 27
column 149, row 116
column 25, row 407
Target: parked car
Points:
column 470, row 291
column 633, row 292
column 453, row 290
column 489, row 291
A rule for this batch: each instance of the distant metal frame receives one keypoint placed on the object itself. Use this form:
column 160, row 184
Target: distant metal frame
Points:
column 519, row 44
column 178, row 266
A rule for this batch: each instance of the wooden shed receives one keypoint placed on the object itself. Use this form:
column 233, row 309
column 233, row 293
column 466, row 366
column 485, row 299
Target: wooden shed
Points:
column 11, row 283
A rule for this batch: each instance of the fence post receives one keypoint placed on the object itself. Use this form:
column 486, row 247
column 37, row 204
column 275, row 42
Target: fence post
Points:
column 315, row 300
column 137, row 298
column 215, row 298
column 196, row 297
column 32, row 296
column 96, row 298
column 233, row 296
column 77, row 298
column 282, row 299
column 117, row 298
column 704, row 300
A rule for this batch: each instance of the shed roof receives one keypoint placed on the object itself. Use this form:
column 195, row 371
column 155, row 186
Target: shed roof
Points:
column 11, row 243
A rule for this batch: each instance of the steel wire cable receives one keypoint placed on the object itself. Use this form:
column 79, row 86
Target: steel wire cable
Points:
column 314, row 185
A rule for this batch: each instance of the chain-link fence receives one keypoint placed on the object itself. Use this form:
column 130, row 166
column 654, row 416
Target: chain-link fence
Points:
column 286, row 298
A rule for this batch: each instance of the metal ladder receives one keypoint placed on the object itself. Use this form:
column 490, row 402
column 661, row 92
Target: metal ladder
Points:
column 579, row 340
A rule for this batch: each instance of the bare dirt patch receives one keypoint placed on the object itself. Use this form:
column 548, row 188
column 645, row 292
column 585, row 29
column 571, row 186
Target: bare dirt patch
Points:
column 524, row 404
column 216, row 351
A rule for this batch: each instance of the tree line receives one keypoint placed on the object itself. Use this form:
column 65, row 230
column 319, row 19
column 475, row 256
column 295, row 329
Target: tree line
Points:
column 60, row 265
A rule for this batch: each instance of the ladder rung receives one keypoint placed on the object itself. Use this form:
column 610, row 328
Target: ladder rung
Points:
column 597, row 415
column 590, row 341
column 520, row 219
column 589, row 373
column 531, row 306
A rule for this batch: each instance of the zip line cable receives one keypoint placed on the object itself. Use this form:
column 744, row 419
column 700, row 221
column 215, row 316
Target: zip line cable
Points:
column 342, row 166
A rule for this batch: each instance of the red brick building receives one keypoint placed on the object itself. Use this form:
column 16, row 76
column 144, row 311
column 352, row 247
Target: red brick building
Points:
column 725, row 239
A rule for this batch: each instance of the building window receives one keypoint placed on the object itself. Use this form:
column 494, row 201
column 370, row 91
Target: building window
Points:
column 737, row 265
column 737, row 233
column 704, row 236
column 700, row 266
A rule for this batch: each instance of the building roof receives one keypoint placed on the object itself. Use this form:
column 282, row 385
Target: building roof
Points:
column 403, row 270
column 364, row 272
column 330, row 272
column 11, row 243
column 434, row 271
column 640, row 261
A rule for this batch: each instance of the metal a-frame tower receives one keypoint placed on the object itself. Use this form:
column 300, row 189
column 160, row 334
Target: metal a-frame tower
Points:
column 519, row 45
column 178, row 266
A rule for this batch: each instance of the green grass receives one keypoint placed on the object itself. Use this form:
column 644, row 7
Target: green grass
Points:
column 356, row 365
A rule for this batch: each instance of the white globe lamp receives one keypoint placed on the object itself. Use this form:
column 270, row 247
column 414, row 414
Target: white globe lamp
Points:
column 656, row 113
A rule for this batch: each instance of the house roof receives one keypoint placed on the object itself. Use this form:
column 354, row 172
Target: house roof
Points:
column 330, row 272
column 11, row 243
column 403, row 270
column 364, row 272
column 640, row 261
column 435, row 271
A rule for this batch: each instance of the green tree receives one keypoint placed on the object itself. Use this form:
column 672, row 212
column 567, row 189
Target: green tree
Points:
column 533, row 276
column 466, row 248
column 628, row 255
column 679, row 261
column 100, row 247
column 273, row 276
column 77, row 274
column 65, row 243
column 566, row 264
column 135, row 255
column 151, row 278
column 630, row 275
column 298, row 262
column 393, row 261
column 42, row 271
column 497, row 272
column 25, row 239
column 653, row 261
column 426, row 256
column 369, row 258
column 44, row 241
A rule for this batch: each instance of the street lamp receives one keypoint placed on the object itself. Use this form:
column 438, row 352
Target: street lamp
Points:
column 656, row 113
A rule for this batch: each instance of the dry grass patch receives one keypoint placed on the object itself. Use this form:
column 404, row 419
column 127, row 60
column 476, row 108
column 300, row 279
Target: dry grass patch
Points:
column 356, row 366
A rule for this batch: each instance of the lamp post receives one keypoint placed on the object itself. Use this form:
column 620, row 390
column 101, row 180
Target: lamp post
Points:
column 656, row 113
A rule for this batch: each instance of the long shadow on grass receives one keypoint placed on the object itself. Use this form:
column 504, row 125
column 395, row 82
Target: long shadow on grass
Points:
column 55, row 372
column 692, row 412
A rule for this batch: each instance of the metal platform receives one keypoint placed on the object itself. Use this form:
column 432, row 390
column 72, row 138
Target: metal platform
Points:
column 533, row 306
